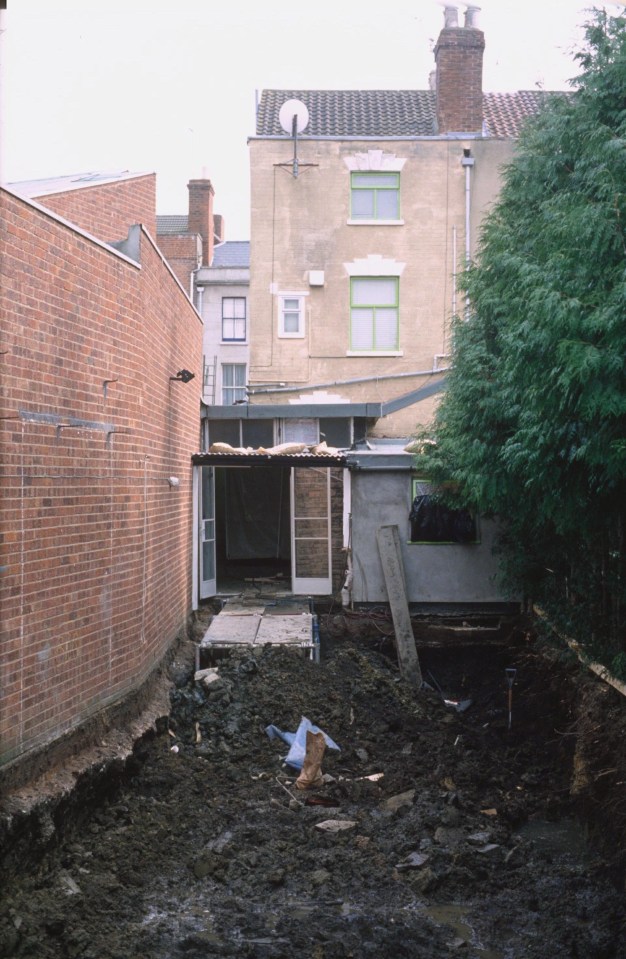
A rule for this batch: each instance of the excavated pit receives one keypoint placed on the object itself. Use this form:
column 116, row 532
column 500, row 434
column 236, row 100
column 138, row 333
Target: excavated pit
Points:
column 477, row 818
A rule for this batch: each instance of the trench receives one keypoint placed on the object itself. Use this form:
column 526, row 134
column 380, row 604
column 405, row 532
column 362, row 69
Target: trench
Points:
column 479, row 830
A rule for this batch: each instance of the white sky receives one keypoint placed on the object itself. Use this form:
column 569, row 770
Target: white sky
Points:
column 169, row 85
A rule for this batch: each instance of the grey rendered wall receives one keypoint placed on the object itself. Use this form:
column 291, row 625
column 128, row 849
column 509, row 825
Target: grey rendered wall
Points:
column 437, row 573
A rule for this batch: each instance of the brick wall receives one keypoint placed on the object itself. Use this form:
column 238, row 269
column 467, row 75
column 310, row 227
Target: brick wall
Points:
column 96, row 546
column 459, row 59
column 183, row 252
column 106, row 210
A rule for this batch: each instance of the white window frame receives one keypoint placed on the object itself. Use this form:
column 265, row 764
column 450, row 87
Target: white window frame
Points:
column 232, row 388
column 234, row 320
column 283, row 297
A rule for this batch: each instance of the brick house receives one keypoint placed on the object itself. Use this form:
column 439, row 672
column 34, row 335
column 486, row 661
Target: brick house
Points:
column 97, row 432
column 366, row 206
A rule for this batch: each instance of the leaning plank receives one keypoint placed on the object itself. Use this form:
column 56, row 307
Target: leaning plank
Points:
column 388, row 539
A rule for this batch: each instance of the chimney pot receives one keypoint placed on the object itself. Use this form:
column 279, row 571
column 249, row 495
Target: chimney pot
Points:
column 471, row 16
column 451, row 16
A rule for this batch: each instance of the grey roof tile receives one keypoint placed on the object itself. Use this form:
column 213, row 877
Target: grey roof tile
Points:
column 172, row 224
column 390, row 113
column 234, row 253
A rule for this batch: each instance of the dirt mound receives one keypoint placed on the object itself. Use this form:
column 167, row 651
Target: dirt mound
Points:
column 438, row 828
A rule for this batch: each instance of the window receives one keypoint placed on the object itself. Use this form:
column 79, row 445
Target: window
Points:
column 291, row 314
column 233, row 383
column 374, row 313
column 432, row 522
column 375, row 196
column 233, row 318
column 300, row 431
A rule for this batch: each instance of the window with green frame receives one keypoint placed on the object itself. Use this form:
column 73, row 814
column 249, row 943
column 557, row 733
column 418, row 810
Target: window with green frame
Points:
column 433, row 522
column 375, row 196
column 374, row 311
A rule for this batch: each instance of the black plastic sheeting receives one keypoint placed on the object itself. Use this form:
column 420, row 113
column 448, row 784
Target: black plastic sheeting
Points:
column 432, row 522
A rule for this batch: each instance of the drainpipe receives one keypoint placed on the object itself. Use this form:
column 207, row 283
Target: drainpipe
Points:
column 468, row 163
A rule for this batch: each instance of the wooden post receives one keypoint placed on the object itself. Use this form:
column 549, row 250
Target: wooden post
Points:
column 388, row 539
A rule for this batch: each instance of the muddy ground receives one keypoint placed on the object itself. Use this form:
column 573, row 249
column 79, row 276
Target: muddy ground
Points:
column 467, row 840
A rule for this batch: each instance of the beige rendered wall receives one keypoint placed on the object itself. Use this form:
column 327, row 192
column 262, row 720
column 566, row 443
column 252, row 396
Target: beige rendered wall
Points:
column 299, row 224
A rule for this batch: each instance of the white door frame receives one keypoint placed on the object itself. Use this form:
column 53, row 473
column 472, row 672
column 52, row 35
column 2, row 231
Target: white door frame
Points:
column 321, row 586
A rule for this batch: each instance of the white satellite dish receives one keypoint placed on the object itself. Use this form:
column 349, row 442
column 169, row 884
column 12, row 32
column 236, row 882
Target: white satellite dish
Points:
column 293, row 116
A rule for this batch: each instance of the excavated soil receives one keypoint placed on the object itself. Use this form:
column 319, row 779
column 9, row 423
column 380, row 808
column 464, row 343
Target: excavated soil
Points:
column 460, row 831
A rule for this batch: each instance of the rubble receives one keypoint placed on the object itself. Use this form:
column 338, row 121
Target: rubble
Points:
column 211, row 851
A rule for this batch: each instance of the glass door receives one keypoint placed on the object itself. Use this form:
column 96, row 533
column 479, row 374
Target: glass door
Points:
column 310, row 531
column 208, row 581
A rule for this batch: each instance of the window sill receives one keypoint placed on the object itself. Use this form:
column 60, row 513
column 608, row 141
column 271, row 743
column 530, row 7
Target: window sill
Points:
column 374, row 352
column 234, row 343
column 375, row 222
column 291, row 336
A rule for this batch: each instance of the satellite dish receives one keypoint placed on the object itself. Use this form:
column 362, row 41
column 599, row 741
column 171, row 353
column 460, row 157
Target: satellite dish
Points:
column 293, row 110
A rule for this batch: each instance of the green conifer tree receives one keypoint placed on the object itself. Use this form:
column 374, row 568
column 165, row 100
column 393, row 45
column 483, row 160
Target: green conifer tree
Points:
column 533, row 424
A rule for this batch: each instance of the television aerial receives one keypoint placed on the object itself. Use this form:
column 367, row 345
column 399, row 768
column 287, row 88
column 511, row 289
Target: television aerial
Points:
column 293, row 117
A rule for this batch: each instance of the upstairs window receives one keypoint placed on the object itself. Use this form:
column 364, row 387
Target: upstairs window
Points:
column 375, row 196
column 233, row 318
column 291, row 314
column 374, row 311
column 233, row 383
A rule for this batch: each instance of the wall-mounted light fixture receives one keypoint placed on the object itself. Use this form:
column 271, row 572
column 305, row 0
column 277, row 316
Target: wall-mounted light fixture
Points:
column 183, row 376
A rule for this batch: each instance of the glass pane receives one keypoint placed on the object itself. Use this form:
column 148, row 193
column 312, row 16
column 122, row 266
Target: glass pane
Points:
column 387, row 206
column 311, row 559
column 363, row 203
column 386, row 330
column 291, row 322
column 208, row 510
column 240, row 374
column 208, row 560
column 375, row 179
column 374, row 292
column 291, row 303
column 239, row 304
column 361, row 334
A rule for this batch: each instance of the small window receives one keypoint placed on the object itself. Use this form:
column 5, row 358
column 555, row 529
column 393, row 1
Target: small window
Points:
column 375, row 196
column 233, row 318
column 432, row 522
column 291, row 314
column 374, row 313
column 233, row 383
column 300, row 431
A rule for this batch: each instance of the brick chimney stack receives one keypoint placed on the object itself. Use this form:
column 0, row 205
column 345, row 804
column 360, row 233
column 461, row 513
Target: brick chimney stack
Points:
column 200, row 219
column 459, row 73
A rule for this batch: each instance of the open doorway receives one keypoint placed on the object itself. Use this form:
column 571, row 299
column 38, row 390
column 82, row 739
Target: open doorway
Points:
column 253, row 537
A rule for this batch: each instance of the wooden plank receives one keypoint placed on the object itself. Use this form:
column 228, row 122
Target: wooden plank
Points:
column 388, row 539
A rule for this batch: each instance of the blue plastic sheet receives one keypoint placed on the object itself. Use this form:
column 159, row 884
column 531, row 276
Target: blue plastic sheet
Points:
column 297, row 741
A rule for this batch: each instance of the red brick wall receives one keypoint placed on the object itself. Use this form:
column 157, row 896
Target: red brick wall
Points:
column 96, row 546
column 183, row 252
column 106, row 210
column 459, row 60
column 200, row 216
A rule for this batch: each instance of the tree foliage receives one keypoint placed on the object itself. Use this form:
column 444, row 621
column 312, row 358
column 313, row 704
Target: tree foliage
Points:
column 532, row 426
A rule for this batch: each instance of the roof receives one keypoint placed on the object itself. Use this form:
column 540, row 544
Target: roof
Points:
column 235, row 253
column 390, row 113
column 72, row 181
column 172, row 224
